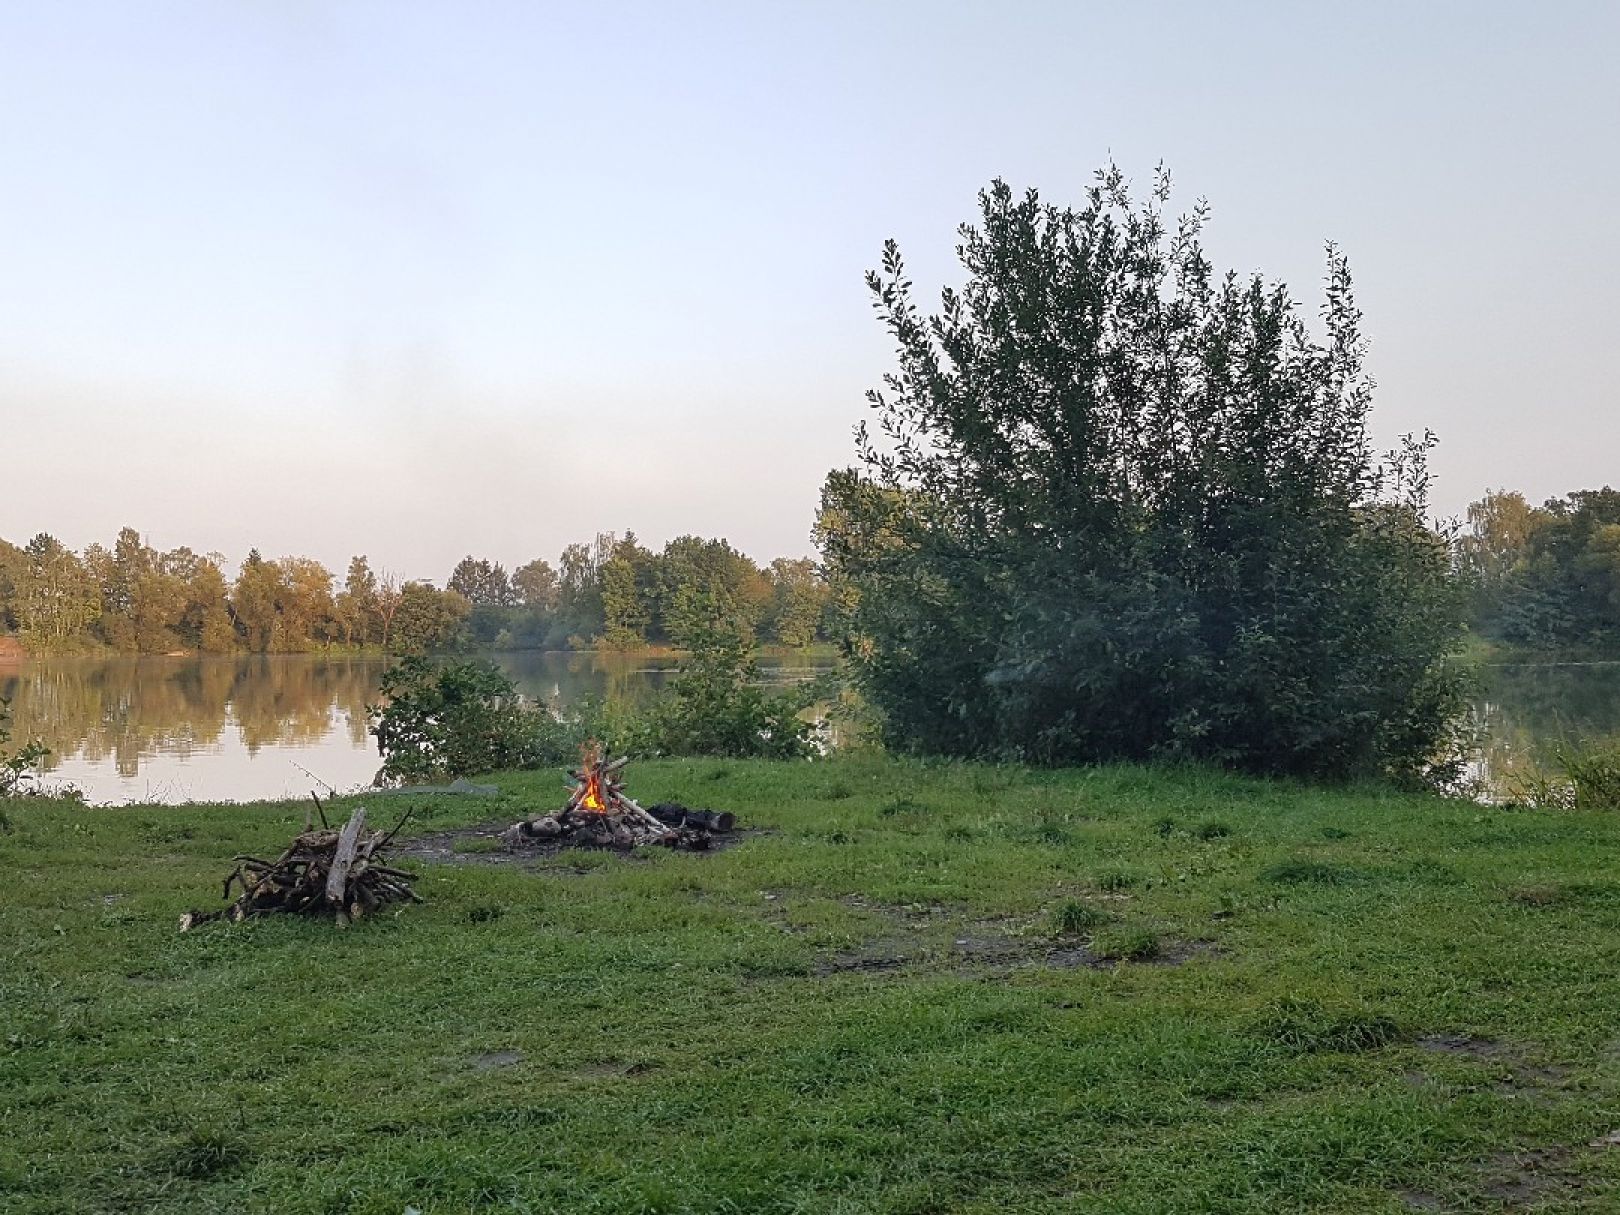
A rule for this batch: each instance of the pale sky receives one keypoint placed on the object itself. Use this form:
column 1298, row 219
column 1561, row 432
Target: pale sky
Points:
column 422, row 279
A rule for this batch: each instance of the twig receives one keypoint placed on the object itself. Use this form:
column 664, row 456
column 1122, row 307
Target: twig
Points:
column 319, row 809
column 383, row 843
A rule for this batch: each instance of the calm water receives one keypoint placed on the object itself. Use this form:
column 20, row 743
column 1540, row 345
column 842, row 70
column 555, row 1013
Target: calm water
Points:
column 249, row 728
column 216, row 729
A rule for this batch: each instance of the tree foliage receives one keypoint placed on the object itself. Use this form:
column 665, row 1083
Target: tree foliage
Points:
column 1119, row 506
column 1546, row 577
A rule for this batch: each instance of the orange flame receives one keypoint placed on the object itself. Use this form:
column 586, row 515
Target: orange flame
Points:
column 590, row 771
column 593, row 792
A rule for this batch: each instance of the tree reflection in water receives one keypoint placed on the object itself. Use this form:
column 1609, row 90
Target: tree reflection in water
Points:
column 243, row 727
column 1529, row 710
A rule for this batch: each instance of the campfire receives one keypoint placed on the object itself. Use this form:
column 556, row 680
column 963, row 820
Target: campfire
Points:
column 600, row 814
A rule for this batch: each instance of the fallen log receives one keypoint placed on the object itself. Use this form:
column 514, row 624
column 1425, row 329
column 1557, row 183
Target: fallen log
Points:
column 673, row 814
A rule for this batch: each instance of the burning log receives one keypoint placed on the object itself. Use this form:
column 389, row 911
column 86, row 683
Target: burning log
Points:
column 599, row 813
column 337, row 873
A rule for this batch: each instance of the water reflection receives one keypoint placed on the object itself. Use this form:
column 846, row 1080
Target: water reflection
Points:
column 1529, row 710
column 251, row 727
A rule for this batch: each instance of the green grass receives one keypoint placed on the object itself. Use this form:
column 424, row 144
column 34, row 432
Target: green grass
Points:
column 897, row 999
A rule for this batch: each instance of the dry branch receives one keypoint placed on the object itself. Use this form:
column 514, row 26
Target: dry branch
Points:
column 336, row 873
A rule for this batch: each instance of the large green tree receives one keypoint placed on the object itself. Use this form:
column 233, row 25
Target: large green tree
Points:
column 706, row 586
column 536, row 585
column 799, row 601
column 626, row 589
column 56, row 600
column 1548, row 578
column 253, row 601
column 482, row 583
column 427, row 618
column 1119, row 505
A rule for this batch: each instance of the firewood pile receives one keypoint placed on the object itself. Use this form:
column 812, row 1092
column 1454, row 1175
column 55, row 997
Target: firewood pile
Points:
column 600, row 814
column 322, row 872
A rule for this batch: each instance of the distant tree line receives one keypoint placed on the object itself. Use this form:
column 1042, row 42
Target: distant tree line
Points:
column 132, row 598
column 1545, row 577
column 615, row 593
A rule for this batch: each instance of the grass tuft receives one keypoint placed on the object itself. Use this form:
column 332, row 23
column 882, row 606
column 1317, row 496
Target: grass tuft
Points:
column 201, row 1155
column 1306, row 1026
column 1115, row 880
column 1310, row 873
column 1072, row 918
column 1128, row 945
column 895, row 807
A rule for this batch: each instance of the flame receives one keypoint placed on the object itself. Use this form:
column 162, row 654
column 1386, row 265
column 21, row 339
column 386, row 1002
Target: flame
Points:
column 593, row 792
column 590, row 771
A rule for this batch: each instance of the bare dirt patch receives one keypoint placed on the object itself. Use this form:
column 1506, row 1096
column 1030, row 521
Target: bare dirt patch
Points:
column 1513, row 1181
column 1419, row 1200
column 944, row 937
column 1515, row 1078
column 1465, row 1045
column 483, row 845
column 1523, row 1178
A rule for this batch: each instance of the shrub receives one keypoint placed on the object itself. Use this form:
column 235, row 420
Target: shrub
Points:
column 1594, row 775
column 1587, row 777
column 18, row 769
column 716, row 707
column 440, row 722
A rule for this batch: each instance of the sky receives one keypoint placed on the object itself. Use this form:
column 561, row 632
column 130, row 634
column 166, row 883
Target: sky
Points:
column 427, row 279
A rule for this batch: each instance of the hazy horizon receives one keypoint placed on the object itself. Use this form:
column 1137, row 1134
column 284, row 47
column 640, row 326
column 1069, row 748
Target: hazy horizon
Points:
column 417, row 280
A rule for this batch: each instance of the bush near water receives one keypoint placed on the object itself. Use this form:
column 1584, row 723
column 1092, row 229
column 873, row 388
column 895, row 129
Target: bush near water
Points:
column 1122, row 506
column 439, row 721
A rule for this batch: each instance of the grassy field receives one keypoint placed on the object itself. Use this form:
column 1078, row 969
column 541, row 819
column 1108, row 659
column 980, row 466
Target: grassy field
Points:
column 917, row 989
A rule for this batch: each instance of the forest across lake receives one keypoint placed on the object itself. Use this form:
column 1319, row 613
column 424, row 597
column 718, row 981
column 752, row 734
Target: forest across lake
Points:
column 249, row 727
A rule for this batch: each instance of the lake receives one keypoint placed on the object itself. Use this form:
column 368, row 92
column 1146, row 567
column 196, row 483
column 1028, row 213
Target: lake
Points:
column 247, row 728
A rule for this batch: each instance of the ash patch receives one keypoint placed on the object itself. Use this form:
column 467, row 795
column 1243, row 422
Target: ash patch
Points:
column 874, row 957
column 1421, row 1200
